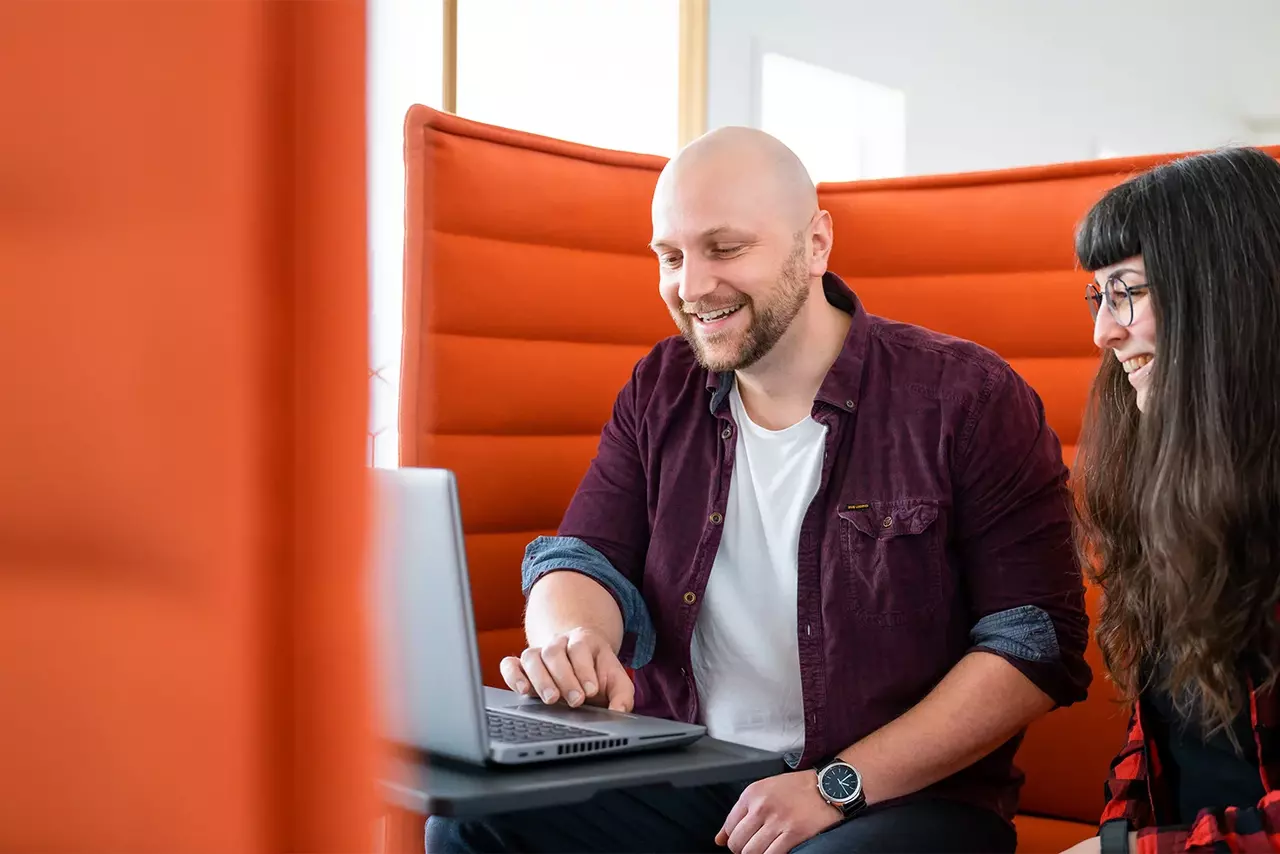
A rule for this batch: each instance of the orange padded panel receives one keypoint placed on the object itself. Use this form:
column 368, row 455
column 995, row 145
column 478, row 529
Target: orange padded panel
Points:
column 182, row 247
column 1003, row 311
column 530, row 293
column 504, row 292
column 506, row 386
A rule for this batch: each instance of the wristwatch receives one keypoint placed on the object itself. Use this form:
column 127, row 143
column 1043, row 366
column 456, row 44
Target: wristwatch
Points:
column 841, row 786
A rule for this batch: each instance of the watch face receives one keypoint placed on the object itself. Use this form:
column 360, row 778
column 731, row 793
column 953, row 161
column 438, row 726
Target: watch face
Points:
column 840, row 783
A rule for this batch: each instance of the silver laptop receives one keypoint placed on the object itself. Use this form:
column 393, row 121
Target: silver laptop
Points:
column 427, row 657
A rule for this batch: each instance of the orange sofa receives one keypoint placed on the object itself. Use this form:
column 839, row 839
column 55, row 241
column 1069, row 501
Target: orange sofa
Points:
column 530, row 293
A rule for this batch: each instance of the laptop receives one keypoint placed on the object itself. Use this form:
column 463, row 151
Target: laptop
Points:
column 427, row 658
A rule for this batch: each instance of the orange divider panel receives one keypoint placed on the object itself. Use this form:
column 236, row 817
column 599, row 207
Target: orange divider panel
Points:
column 183, row 385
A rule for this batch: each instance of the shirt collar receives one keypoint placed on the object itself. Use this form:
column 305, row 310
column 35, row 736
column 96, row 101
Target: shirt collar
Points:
column 843, row 382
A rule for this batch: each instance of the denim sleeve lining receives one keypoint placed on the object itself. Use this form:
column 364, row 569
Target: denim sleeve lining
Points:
column 1024, row 632
column 546, row 554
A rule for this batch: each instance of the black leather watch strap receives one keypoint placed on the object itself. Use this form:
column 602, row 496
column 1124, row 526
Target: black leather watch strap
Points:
column 1113, row 837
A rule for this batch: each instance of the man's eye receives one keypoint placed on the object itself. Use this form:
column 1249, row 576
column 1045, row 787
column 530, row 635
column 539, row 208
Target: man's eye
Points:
column 723, row 251
column 669, row 261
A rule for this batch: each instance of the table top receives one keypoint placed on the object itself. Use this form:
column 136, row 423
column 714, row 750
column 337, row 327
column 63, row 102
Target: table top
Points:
column 436, row 786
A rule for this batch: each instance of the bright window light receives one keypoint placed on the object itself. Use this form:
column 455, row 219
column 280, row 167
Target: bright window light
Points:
column 841, row 127
column 599, row 72
column 405, row 67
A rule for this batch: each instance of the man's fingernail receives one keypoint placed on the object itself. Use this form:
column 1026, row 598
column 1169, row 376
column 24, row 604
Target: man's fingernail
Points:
column 589, row 687
column 522, row 686
column 549, row 696
column 574, row 697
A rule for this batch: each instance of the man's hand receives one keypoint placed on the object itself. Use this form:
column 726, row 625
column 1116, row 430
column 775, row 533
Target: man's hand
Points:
column 578, row 665
column 776, row 814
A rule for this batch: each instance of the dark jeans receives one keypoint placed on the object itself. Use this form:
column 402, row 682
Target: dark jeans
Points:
column 673, row 820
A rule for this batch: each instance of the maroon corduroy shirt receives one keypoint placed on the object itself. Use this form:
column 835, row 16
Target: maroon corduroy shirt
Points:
column 940, row 526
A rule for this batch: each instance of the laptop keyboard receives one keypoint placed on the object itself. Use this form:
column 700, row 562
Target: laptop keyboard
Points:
column 513, row 729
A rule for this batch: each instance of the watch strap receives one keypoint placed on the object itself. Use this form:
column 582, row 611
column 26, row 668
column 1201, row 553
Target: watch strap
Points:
column 1113, row 837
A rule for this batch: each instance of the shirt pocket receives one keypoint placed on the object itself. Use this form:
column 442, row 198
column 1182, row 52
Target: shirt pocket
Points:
column 893, row 557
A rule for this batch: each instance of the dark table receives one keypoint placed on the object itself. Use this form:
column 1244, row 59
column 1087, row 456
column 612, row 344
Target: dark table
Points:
column 434, row 786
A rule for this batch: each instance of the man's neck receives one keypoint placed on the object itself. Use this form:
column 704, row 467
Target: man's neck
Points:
column 778, row 391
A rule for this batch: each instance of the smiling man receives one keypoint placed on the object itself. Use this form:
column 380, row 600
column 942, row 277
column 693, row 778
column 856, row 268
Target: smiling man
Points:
column 816, row 531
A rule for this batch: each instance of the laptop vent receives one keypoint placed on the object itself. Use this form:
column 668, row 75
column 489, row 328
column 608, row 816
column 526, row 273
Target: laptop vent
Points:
column 589, row 746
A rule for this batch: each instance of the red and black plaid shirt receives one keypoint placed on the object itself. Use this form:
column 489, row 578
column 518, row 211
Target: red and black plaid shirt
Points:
column 1137, row 793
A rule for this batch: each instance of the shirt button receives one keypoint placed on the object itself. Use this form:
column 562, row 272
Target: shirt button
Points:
column 849, row 404
column 690, row 598
column 888, row 522
column 728, row 431
column 716, row 518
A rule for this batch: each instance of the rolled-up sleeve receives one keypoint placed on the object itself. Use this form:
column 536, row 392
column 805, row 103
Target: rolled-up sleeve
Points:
column 1023, row 581
column 605, row 530
column 550, row 554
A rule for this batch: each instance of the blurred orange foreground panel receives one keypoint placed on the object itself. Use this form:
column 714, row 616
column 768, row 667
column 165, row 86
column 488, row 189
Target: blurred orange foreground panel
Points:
column 182, row 423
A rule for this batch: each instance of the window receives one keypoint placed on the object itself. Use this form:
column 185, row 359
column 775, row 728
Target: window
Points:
column 841, row 127
column 600, row 72
column 623, row 74
column 405, row 67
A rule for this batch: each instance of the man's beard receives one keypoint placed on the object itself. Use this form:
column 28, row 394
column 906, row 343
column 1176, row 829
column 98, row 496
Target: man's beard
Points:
column 768, row 323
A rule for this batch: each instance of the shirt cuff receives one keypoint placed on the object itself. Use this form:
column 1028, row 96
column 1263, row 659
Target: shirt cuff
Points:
column 1026, row 637
column 549, row 554
column 1025, row 632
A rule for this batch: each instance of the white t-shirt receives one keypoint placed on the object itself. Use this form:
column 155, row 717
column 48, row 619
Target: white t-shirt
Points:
column 746, row 659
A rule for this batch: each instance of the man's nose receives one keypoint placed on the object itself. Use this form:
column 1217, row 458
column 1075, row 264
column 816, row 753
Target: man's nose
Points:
column 696, row 281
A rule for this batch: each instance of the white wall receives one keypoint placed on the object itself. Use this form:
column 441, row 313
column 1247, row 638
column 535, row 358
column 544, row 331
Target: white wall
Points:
column 997, row 83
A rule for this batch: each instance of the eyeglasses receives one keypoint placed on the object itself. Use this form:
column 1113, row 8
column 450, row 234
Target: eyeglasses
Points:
column 1119, row 296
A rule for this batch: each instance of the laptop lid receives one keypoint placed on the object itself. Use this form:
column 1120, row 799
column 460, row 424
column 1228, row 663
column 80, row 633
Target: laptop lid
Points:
column 428, row 666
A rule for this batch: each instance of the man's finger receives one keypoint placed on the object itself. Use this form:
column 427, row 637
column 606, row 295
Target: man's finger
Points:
column 583, row 661
column 784, row 843
column 543, row 685
column 745, row 831
column 731, row 822
column 513, row 675
column 556, row 659
column 620, row 691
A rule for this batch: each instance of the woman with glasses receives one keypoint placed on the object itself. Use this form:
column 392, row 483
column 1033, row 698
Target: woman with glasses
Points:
column 1178, row 485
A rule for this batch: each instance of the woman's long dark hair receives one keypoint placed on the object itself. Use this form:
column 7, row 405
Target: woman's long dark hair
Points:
column 1178, row 508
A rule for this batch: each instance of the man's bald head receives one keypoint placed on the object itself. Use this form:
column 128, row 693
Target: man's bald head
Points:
column 740, row 242
column 750, row 170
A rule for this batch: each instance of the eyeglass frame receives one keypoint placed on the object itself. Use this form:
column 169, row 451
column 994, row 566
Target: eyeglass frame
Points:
column 1095, row 297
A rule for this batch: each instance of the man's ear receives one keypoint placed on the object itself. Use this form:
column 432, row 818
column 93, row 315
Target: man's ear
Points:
column 821, row 234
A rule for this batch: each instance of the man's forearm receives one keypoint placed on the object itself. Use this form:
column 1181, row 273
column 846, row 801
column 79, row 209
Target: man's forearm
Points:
column 564, row 600
column 982, row 703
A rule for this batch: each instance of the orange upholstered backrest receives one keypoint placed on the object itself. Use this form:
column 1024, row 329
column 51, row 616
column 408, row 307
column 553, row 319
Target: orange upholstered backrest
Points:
column 183, row 394
column 529, row 295
column 988, row 257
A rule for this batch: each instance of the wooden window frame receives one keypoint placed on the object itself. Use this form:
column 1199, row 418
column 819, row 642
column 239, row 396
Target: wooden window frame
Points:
column 692, row 101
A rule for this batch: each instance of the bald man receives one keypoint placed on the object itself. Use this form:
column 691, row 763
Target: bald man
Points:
column 814, row 530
